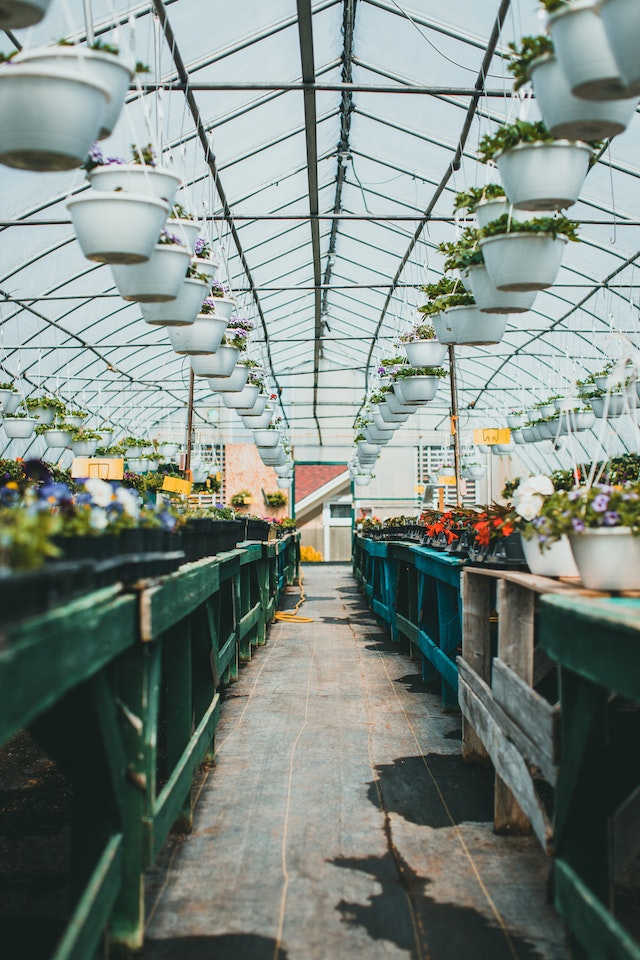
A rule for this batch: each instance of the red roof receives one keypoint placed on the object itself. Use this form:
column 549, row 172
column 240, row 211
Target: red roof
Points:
column 311, row 476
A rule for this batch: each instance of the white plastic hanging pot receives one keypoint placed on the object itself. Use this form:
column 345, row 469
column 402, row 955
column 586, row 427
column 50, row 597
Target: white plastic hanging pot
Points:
column 15, row 14
column 231, row 384
column 517, row 436
column 366, row 449
column 48, row 118
column 570, row 117
column 43, row 414
column 203, row 336
column 117, row 227
column 84, row 448
column 608, row 558
column 614, row 408
column 515, row 420
column 523, row 261
column 284, row 469
column 389, row 417
column 208, row 268
column 544, row 176
column 176, row 313
column 219, row 364
column 273, row 457
column 380, row 422
column 582, row 48
column 57, row 438
column 106, row 437
column 186, row 230
column 266, row 438
column 19, row 428
column 397, row 406
column 491, row 300
column 94, row 65
column 9, row 401
column 159, row 279
column 621, row 19
column 376, row 436
column 476, row 471
column 489, row 210
column 284, row 482
column 225, row 307
column 138, row 465
column 241, row 399
column 555, row 560
column 467, row 326
column 257, row 422
column 258, row 408
column 74, row 420
column 362, row 479
column 419, row 389
column 159, row 182
column 169, row 450
column 425, row 353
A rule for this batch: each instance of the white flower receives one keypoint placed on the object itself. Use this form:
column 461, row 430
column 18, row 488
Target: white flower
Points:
column 98, row 518
column 100, row 492
column 529, row 506
column 540, row 484
column 129, row 501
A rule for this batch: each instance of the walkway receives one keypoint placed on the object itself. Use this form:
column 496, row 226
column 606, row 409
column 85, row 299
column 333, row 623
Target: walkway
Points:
column 340, row 822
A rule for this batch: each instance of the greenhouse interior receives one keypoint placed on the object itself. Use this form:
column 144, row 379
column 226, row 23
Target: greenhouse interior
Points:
column 330, row 653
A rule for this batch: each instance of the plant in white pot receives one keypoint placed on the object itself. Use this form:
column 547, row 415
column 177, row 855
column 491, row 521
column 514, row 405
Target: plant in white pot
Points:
column 581, row 44
column 183, row 223
column 422, row 346
column 204, row 262
column 455, row 316
column 538, row 172
column 57, row 434
column 418, row 384
column 202, row 336
column 525, row 255
column 545, row 555
column 464, row 256
column 487, row 203
column 181, row 311
column 46, row 408
column 141, row 175
column 621, row 19
column 19, row 425
column 84, row 441
column 244, row 399
column 161, row 277
column 9, row 398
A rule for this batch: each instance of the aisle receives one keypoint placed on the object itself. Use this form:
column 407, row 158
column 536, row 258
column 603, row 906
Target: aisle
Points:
column 340, row 822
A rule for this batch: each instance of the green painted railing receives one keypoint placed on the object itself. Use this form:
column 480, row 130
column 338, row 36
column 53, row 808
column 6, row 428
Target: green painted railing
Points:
column 121, row 688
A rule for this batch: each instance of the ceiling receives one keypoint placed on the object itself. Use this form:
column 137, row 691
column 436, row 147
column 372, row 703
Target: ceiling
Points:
column 322, row 143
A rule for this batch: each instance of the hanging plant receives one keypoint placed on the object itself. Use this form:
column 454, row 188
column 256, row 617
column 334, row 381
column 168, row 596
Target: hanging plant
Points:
column 141, row 175
column 461, row 253
column 525, row 255
column 469, row 199
column 159, row 279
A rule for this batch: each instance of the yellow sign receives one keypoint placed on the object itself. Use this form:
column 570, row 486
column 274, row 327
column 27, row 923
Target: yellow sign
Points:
column 176, row 485
column 491, row 435
column 447, row 481
column 101, row 468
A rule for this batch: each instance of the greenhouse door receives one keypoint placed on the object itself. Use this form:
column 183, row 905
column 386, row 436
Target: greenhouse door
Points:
column 337, row 519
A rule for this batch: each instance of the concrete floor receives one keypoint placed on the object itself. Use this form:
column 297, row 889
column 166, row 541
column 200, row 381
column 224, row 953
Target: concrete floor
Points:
column 340, row 822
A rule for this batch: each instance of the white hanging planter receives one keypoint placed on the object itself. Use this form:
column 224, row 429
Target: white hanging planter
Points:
column 397, row 406
column 186, row 230
column 241, row 399
column 266, row 438
column 219, row 364
column 43, row 414
column 169, row 450
column 225, row 307
column 467, row 326
column 48, row 118
column 138, row 465
column 95, row 65
column 203, row 336
column 366, row 449
column 608, row 558
column 117, row 227
column 19, row 428
column 208, row 268
column 284, row 482
column 9, row 401
column 517, row 436
column 491, row 300
column 515, row 420
column 544, row 176
column 84, row 448
column 581, row 45
column 274, row 457
column 615, row 407
column 362, row 479
column 74, row 420
column 523, row 261
column 57, row 438
column 257, row 422
column 489, row 210
column 233, row 383
column 425, row 353
column 380, row 422
column 556, row 560
column 159, row 279
column 376, row 436
column 176, row 313
column 389, row 417
column 419, row 389
column 570, row 117
column 621, row 19
column 258, row 408
column 284, row 469
column 15, row 14
column 159, row 182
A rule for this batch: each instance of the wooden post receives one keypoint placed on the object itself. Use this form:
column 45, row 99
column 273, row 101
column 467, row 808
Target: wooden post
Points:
column 476, row 650
column 454, row 422
column 187, row 462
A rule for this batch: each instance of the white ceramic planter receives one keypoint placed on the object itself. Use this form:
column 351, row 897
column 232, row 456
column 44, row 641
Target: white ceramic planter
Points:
column 570, row 117
column 84, row 448
column 176, row 313
column 468, row 326
column 491, row 300
column 284, row 469
column 208, row 268
column 416, row 389
column 48, row 119
column 266, row 438
column 389, row 417
column 397, row 406
column 219, row 364
column 242, row 399
column 43, row 414
column 257, row 422
column 158, row 182
column 186, row 230
column 515, row 421
column 225, row 307
column 381, row 423
column 159, row 279
column 203, row 336
column 15, row 14
column 169, row 450
column 608, row 558
column 94, row 65
column 273, row 457
column 231, row 384
column 117, row 228
column 615, row 406
column 284, row 482
column 19, row 428
column 425, row 353
column 621, row 19
column 362, row 479
column 9, row 401
column 544, row 176
column 57, row 438
column 582, row 48
column 523, row 261
column 554, row 561
column 258, row 408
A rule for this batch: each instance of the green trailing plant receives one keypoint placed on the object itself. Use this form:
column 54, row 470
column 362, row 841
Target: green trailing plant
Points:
column 553, row 226
column 380, row 395
column 469, row 199
column 9, row 386
column 144, row 155
column 84, row 433
column 44, row 427
column 521, row 58
column 27, row 538
column 461, row 299
column 178, row 212
column 510, row 135
column 193, row 273
column 47, row 403
column 115, row 451
column 76, row 413
column 240, row 499
column 405, row 372
column 276, row 499
column 463, row 252
column 552, row 5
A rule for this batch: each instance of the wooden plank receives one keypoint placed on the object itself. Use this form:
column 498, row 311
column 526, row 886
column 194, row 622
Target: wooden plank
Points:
column 445, row 667
column 165, row 604
column 381, row 609
column 407, row 628
column 508, row 762
column 537, row 718
column 566, row 586
column 476, row 650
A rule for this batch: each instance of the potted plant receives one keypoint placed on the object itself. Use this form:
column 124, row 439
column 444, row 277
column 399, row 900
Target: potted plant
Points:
column 473, row 470
column 45, row 409
column 182, row 310
column 9, row 398
column 456, row 318
column 487, row 203
column 545, row 557
column 84, row 442
column 142, row 175
column 158, row 279
column 538, row 172
column 219, row 364
column 117, row 228
column 525, row 255
column 422, row 346
column 55, row 435
column 15, row 14
column 581, row 44
column 204, row 263
column 418, row 384
column 276, row 499
column 184, row 223
column 606, row 405
column 18, row 425
column 224, row 304
column 75, row 418
column 204, row 335
column 245, row 398
column 268, row 437
column 242, row 498
column 622, row 26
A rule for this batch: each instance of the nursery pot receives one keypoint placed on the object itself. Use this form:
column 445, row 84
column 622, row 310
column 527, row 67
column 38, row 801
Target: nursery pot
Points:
column 74, row 421
column 491, row 300
column 9, row 401
column 175, row 313
column 380, row 422
column 425, row 353
column 365, row 449
column 241, row 399
column 523, row 261
column 374, row 435
column 489, row 210
column 621, row 19
column 138, row 465
column 48, row 118
column 200, row 337
column 544, row 176
column 225, row 307
column 15, row 14
column 581, row 45
column 388, row 416
column 608, row 558
column 219, row 364
column 233, row 383
column 556, row 560
column 57, row 438
column 186, row 230
column 284, row 469
column 570, row 117
column 258, row 408
column 614, row 408
column 84, row 448
column 266, row 438
column 19, row 428
column 255, row 422
column 468, row 326
column 117, row 227
column 156, row 281
column 397, row 406
column 419, row 389
column 158, row 182
column 44, row 414
column 208, row 268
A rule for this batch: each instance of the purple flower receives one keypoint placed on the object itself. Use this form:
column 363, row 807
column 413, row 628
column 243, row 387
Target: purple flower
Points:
column 611, row 518
column 600, row 503
column 578, row 525
column 574, row 495
column 171, row 238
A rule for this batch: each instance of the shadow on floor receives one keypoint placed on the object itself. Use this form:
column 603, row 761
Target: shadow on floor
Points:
column 225, row 946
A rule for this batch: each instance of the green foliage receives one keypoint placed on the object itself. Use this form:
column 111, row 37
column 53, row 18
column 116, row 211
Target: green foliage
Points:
column 47, row 403
column 421, row 331
column 554, row 226
column 26, row 539
column 462, row 299
column 407, row 371
column 469, row 199
column 521, row 58
column 240, row 499
column 8, row 386
column 510, row 135
column 463, row 252
column 144, row 155
column 178, row 212
column 276, row 499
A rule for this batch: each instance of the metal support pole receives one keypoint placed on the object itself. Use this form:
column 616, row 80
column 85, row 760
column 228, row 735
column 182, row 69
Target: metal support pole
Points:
column 88, row 23
column 187, row 462
column 454, row 423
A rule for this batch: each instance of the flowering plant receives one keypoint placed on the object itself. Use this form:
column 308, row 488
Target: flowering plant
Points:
column 178, row 212
column 219, row 289
column 591, row 508
column 494, row 522
column 170, row 239
column 420, row 331
column 202, row 249
column 237, row 333
column 388, row 365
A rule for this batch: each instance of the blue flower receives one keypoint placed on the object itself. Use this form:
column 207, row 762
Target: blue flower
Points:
column 578, row 525
column 600, row 503
column 611, row 518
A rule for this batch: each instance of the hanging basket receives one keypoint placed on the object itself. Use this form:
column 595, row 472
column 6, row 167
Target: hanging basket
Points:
column 158, row 280
column 582, row 48
column 259, row 408
column 231, row 384
column 425, row 353
column 284, row 469
column 219, row 364
column 389, row 417
column 621, row 19
column 241, row 399
column 376, row 436
column 117, row 227
column 467, row 326
column 225, row 307
column 19, row 428
column 43, row 414
column 255, row 422
column 608, row 558
column 523, row 261
column 418, row 389
column 615, row 407
column 57, row 438
column 158, row 182
column 544, row 176
column 169, row 450
column 48, row 118
column 273, row 457
column 208, row 268
column 138, row 465
column 74, row 420
column 555, row 560
column 284, row 482
column 366, row 449
column 397, row 406
column 186, row 230
column 15, row 14
column 266, row 438
column 491, row 300
column 203, row 336
column 570, row 117
column 9, row 401
column 84, row 448
column 489, row 210
column 176, row 313
column 380, row 422
column 96, row 66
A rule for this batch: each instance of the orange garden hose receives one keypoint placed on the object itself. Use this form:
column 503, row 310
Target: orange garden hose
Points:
column 290, row 616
